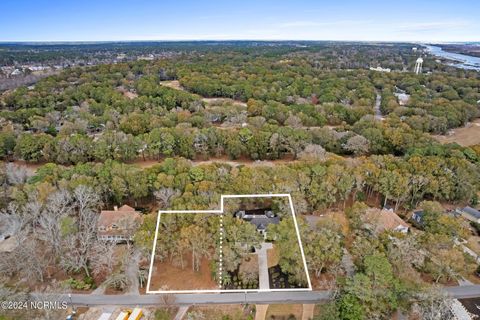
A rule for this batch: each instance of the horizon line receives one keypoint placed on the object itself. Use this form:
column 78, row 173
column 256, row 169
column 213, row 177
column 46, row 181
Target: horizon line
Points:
column 222, row 40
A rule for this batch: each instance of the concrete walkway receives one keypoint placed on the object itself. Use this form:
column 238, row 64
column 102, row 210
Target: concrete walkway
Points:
column 263, row 266
column 261, row 311
column 100, row 289
column 307, row 313
column 182, row 311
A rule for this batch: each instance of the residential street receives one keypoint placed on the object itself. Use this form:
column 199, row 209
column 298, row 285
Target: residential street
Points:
column 462, row 292
column 234, row 298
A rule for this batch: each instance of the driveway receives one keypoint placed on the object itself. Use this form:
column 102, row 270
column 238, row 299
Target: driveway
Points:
column 263, row 266
column 308, row 310
column 132, row 273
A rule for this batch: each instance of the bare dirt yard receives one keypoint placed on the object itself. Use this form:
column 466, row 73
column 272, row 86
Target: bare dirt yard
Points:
column 288, row 159
column 273, row 256
column 466, row 136
column 166, row 276
column 174, row 84
column 284, row 311
column 220, row 312
column 130, row 95
column 220, row 101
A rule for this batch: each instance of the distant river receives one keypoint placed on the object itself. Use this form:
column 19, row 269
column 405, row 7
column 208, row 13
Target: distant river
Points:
column 461, row 60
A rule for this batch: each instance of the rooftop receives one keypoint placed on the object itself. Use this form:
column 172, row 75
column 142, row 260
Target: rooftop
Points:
column 383, row 220
column 472, row 211
column 118, row 221
column 261, row 218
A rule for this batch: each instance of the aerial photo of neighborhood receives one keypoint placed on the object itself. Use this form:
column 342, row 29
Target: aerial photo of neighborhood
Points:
column 227, row 160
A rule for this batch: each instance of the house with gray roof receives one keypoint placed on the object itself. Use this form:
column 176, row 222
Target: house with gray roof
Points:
column 261, row 218
column 470, row 213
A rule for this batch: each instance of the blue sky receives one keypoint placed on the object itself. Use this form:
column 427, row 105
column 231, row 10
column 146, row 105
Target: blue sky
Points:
column 371, row 20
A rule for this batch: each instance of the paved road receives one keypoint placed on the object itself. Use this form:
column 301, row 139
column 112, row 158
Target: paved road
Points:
column 464, row 292
column 194, row 299
column 306, row 297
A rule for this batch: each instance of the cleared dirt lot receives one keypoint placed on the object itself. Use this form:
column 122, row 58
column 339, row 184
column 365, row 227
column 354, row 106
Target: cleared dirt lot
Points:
column 466, row 136
column 174, row 84
column 169, row 277
column 284, row 311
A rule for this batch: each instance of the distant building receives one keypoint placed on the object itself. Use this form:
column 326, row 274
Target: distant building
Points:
column 380, row 69
column 16, row 72
column 148, row 57
column 121, row 56
column 402, row 98
column 470, row 213
column 118, row 225
column 261, row 218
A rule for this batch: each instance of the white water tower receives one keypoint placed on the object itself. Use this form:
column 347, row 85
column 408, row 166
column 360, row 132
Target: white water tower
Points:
column 418, row 66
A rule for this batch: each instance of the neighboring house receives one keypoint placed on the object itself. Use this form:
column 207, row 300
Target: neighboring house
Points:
column 16, row 72
column 458, row 310
column 417, row 218
column 380, row 69
column 261, row 218
column 470, row 213
column 472, row 305
column 378, row 221
column 118, row 225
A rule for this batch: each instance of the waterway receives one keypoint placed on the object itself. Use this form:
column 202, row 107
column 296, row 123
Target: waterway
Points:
column 460, row 60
